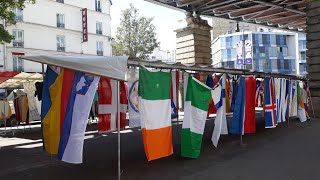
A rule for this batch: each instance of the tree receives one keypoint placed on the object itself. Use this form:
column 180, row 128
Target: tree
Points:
column 136, row 36
column 8, row 17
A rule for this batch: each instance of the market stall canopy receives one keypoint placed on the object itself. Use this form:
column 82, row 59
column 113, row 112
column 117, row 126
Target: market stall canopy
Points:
column 16, row 82
column 286, row 14
column 114, row 67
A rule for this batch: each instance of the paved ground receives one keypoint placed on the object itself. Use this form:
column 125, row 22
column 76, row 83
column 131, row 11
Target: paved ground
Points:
column 285, row 153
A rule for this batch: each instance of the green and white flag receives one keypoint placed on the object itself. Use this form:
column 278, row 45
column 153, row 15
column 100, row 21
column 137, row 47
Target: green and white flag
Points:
column 195, row 114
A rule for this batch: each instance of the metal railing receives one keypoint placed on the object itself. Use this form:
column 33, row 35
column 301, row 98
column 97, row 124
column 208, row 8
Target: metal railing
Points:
column 60, row 25
column 100, row 53
column 18, row 44
column 59, row 48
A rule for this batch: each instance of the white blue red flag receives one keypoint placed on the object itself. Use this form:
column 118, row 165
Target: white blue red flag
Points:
column 270, row 105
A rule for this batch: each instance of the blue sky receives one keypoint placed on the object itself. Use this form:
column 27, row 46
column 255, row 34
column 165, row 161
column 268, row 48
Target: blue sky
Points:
column 165, row 19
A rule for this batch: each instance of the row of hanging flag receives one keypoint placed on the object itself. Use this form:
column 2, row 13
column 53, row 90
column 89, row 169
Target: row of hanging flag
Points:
column 151, row 98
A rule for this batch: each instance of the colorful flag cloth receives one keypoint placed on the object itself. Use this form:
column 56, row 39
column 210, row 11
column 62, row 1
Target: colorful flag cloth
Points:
column 76, row 116
column 270, row 105
column 220, row 123
column 196, row 108
column 227, row 94
column 155, row 112
column 50, row 109
column 301, row 109
column 243, row 120
column 175, row 75
column 108, row 104
column 284, row 103
column 293, row 100
column 133, row 98
column 212, row 108
column 278, row 97
column 258, row 92
column 234, row 93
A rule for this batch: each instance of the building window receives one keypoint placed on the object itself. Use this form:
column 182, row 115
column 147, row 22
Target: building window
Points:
column 229, row 54
column 17, row 64
column 99, row 27
column 61, row 43
column 99, row 48
column 262, row 51
column 98, row 6
column 303, row 55
column 60, row 1
column 266, row 39
column 18, row 38
column 229, row 41
column 18, row 13
column 60, row 21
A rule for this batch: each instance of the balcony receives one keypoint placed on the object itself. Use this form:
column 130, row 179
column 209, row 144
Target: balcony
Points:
column 61, row 49
column 99, row 32
column 19, row 18
column 98, row 9
column 18, row 44
column 99, row 53
column 60, row 1
column 60, row 25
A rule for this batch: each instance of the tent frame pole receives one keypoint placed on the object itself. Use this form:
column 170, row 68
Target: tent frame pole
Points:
column 118, row 129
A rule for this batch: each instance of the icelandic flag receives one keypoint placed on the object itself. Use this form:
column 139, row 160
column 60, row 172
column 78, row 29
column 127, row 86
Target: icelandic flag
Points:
column 76, row 117
column 270, row 105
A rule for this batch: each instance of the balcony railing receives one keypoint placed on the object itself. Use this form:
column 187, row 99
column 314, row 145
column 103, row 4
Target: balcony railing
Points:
column 100, row 53
column 19, row 18
column 59, row 48
column 99, row 31
column 18, row 43
column 60, row 25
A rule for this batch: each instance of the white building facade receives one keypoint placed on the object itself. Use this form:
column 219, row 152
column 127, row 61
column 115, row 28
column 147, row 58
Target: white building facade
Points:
column 54, row 27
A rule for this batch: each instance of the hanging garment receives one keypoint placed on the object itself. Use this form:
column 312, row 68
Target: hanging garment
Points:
column 174, row 93
column 24, row 109
column 270, row 105
column 108, row 105
column 212, row 108
column 5, row 110
column 301, row 109
column 38, row 92
column 30, row 89
column 133, row 98
column 155, row 111
column 220, row 123
column 196, row 107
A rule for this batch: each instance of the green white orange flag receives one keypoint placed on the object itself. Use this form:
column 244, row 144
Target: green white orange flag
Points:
column 195, row 114
column 155, row 113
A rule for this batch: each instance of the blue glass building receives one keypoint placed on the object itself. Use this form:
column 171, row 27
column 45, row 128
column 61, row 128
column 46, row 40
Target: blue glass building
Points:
column 271, row 51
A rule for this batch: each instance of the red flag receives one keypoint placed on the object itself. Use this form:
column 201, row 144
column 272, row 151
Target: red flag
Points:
column 107, row 107
column 250, row 116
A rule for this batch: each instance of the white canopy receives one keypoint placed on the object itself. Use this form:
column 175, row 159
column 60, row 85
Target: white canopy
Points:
column 112, row 67
column 17, row 81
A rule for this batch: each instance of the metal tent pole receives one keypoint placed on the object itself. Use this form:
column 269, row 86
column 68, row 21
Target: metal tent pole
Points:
column 5, row 119
column 118, row 116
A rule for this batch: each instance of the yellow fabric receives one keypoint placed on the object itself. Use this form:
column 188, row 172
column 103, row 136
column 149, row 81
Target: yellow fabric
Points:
column 5, row 110
column 51, row 123
column 25, row 107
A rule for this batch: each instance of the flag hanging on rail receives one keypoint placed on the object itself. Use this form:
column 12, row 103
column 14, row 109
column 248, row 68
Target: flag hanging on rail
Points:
column 301, row 109
column 210, row 83
column 133, row 98
column 293, row 100
column 270, row 105
column 107, row 107
column 174, row 93
column 220, row 123
column 196, row 108
column 155, row 112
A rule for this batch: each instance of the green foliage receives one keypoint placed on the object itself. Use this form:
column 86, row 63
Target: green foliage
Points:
column 136, row 36
column 7, row 14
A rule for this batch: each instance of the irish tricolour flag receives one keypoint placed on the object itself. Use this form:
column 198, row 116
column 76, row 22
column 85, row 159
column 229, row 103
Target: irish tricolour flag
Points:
column 155, row 113
column 195, row 113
